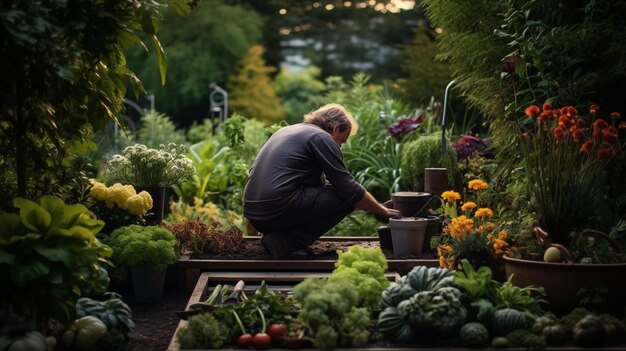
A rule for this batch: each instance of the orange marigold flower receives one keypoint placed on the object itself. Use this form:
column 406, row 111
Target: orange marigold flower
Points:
column 532, row 111
column 604, row 152
column 558, row 133
column 546, row 107
column 587, row 146
column 557, row 111
column 451, row 196
column 594, row 109
column 483, row 213
column 615, row 115
column 581, row 123
column 477, row 185
column 468, row 206
column 622, row 125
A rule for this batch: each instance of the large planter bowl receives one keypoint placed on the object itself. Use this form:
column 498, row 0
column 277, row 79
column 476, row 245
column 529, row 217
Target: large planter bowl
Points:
column 410, row 203
column 562, row 280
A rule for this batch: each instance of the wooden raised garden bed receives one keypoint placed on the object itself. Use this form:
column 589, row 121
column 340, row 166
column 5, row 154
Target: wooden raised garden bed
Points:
column 193, row 266
column 276, row 281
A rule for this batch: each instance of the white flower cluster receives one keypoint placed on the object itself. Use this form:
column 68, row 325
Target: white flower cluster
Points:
column 144, row 167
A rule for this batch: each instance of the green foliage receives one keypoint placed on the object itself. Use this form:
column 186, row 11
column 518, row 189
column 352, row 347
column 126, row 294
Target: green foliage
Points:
column 372, row 155
column 251, row 93
column 424, row 152
column 434, row 313
column 474, row 335
column 113, row 312
column 476, row 284
column 156, row 128
column 49, row 254
column 329, row 311
column 202, row 49
column 204, row 331
column 526, row 339
column 426, row 77
column 136, row 245
column 528, row 298
column 222, row 162
column 357, row 223
column 143, row 167
column 297, row 92
column 366, row 269
column 275, row 309
column 510, row 54
column 507, row 320
column 68, row 73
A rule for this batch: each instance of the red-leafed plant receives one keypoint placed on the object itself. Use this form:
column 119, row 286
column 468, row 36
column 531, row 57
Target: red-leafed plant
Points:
column 200, row 237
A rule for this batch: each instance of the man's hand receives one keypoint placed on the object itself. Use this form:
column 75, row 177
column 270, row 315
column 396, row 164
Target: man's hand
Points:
column 391, row 213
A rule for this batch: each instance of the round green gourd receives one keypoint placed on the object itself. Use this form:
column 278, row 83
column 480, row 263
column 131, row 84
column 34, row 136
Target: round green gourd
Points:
column 507, row 320
column 474, row 335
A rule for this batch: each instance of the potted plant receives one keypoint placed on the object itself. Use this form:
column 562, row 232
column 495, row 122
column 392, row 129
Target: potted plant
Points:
column 146, row 251
column 565, row 155
column 118, row 205
column 471, row 232
column 151, row 170
column 49, row 255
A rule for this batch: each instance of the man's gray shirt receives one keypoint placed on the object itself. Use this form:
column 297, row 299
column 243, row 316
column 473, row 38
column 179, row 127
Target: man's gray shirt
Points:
column 294, row 158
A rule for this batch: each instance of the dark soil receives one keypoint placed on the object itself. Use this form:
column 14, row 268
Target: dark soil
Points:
column 155, row 323
column 320, row 250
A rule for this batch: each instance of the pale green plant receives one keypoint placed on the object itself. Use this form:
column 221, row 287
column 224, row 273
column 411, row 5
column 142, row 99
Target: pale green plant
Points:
column 144, row 167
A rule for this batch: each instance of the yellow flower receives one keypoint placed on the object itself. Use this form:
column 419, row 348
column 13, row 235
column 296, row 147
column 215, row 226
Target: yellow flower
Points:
column 483, row 213
column 477, row 185
column 136, row 205
column 98, row 190
column 451, row 196
column 118, row 194
column 468, row 206
column 146, row 198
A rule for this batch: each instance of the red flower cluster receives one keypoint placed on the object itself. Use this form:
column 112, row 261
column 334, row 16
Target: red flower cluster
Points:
column 604, row 138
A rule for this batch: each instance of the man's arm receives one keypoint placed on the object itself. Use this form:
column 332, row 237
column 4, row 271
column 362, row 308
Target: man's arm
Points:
column 369, row 204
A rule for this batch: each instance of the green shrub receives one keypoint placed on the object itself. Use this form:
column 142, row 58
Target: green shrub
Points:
column 135, row 245
column 49, row 254
column 422, row 153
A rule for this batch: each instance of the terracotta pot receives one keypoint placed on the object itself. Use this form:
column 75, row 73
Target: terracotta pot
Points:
column 562, row 280
column 435, row 180
column 407, row 235
column 411, row 204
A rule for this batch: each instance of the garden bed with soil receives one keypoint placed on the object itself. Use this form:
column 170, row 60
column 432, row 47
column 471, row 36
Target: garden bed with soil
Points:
column 251, row 257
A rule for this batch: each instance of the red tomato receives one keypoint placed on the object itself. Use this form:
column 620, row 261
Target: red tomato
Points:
column 261, row 341
column 277, row 332
column 244, row 341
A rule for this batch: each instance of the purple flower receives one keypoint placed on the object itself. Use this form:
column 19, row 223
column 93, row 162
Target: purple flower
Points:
column 467, row 145
column 405, row 125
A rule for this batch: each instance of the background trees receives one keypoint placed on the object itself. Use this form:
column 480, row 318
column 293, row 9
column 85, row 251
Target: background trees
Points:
column 202, row 48
column 67, row 76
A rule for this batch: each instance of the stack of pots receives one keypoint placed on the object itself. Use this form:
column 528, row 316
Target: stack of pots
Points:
column 408, row 233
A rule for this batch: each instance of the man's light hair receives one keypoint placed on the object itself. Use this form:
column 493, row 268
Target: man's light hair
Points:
column 331, row 115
